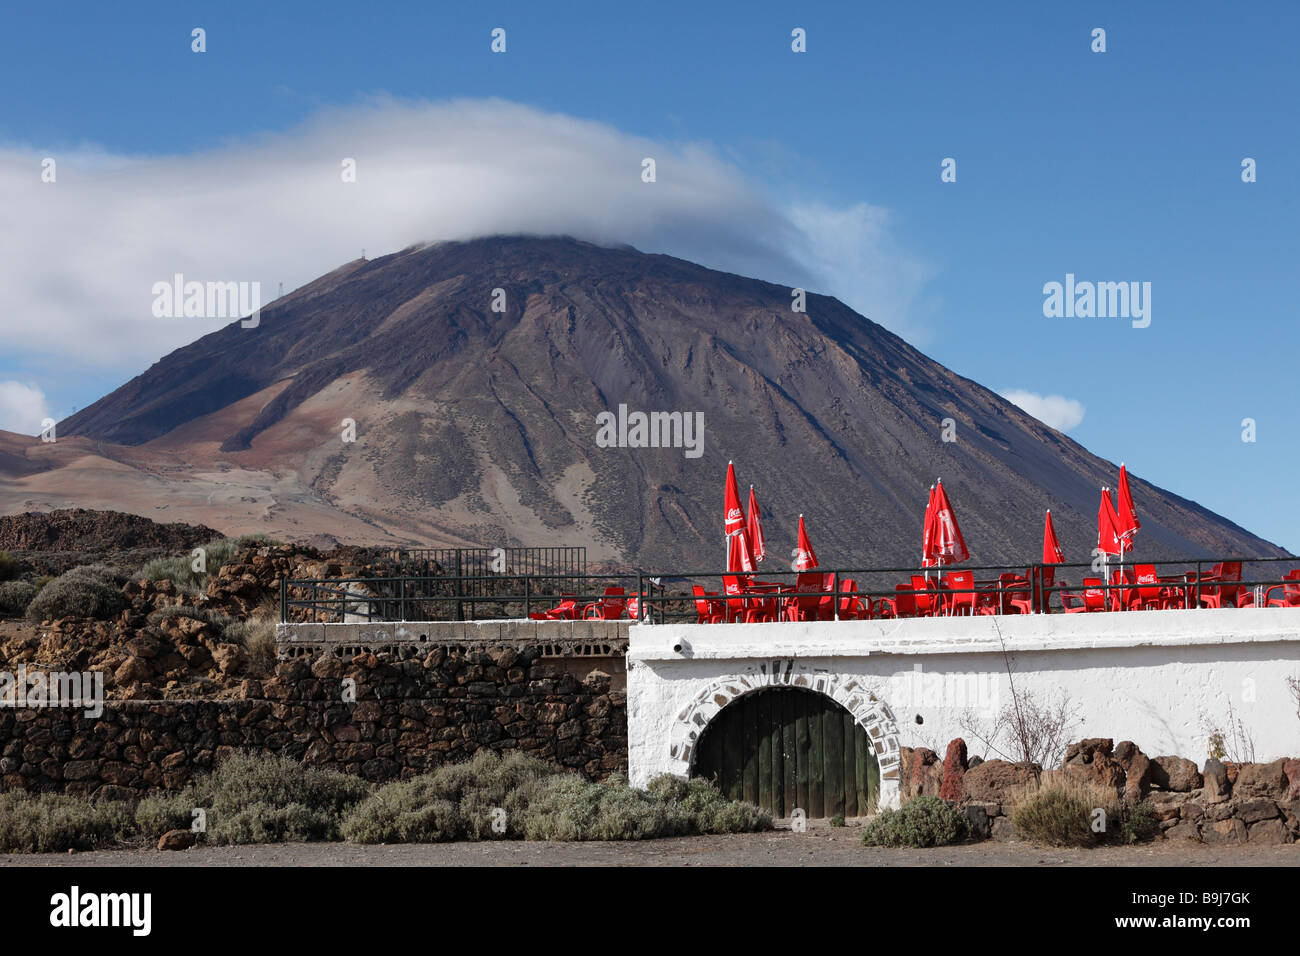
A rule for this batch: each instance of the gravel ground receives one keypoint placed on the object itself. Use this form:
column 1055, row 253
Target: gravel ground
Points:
column 815, row 847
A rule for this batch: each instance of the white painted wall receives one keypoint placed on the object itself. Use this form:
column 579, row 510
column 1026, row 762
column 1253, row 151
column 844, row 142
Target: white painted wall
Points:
column 1158, row 678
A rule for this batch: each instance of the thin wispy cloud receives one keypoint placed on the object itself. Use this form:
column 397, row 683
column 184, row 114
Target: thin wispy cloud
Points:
column 1056, row 411
column 79, row 257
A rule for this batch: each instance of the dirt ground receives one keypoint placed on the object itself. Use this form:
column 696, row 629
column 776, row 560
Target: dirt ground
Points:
column 814, row 847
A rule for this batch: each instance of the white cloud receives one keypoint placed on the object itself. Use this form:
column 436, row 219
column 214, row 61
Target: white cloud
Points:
column 80, row 256
column 22, row 408
column 1056, row 411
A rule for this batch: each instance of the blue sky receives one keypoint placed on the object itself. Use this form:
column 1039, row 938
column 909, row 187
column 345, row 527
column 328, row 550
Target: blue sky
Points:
column 1115, row 166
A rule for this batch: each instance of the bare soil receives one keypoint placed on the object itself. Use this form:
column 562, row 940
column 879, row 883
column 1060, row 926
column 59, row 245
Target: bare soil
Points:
column 815, row 847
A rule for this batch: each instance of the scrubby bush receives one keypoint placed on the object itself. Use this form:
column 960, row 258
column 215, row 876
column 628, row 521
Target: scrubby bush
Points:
column 461, row 801
column 921, row 822
column 179, row 568
column 404, row 812
column 705, row 809
column 256, row 636
column 254, row 798
column 56, row 823
column 91, row 590
column 570, row 808
column 160, row 812
column 1064, row 812
column 1055, row 815
column 15, row 596
column 457, row 801
column 9, row 566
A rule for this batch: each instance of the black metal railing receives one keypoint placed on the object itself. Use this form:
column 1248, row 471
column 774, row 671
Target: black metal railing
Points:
column 464, row 598
column 821, row 593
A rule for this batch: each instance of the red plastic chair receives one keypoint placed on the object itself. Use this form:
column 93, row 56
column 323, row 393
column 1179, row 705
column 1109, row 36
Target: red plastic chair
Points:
column 707, row 611
column 608, row 608
column 1014, row 596
column 1225, row 593
column 904, row 604
column 1094, row 595
column 566, row 610
column 805, row 604
column 853, row 607
column 956, row 602
column 1120, row 598
column 928, row 602
column 1072, row 603
column 734, row 587
column 1290, row 592
column 1151, row 593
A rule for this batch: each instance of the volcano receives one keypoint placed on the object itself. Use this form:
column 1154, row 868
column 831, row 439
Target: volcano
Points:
column 462, row 393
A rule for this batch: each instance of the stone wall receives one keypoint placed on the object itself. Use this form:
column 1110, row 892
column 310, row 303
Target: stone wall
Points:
column 379, row 716
column 1224, row 802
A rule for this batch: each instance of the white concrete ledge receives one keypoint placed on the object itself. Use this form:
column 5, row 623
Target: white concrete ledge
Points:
column 984, row 634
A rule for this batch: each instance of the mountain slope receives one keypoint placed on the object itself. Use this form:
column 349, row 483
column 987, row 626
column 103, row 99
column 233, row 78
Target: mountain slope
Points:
column 475, row 426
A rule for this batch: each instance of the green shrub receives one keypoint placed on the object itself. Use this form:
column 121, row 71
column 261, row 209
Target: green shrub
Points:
column 705, row 810
column 456, row 801
column 256, row 798
column 404, row 812
column 269, row 823
column 256, row 636
column 9, row 566
column 921, row 822
column 459, row 801
column 160, row 812
column 179, row 568
column 15, row 596
column 56, row 823
column 92, row 590
column 570, row 808
column 1138, row 823
column 1057, row 816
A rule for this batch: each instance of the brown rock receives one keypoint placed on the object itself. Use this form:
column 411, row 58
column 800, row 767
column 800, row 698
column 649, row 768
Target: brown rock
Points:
column 1292, row 770
column 230, row 658
column 1262, row 780
column 1230, row 831
column 997, row 781
column 327, row 666
column 1184, row 830
column 1167, row 806
column 954, row 768
column 1217, row 788
column 1253, row 811
column 1091, row 761
column 926, row 775
column 1137, row 770
column 176, row 840
column 1269, row 832
column 1175, row 773
column 1003, row 830
column 133, row 669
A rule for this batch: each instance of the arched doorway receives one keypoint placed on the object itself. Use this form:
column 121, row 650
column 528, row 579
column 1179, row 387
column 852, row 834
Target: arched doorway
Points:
column 787, row 747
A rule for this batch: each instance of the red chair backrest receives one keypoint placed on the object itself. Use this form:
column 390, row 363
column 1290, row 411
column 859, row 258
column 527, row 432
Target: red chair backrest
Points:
column 702, row 607
column 1093, row 595
column 925, row 603
column 961, row 581
column 1146, row 574
column 903, row 602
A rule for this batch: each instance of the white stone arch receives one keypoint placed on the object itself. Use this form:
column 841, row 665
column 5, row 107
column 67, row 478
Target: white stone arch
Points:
column 872, row 714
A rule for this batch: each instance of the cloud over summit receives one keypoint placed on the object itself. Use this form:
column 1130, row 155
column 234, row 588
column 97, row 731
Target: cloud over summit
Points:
column 81, row 255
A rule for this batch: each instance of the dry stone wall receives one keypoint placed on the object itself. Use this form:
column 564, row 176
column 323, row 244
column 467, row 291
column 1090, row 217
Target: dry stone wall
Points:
column 383, row 717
